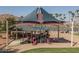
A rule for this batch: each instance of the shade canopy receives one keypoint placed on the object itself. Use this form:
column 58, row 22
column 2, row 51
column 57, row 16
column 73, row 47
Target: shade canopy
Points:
column 39, row 15
column 35, row 28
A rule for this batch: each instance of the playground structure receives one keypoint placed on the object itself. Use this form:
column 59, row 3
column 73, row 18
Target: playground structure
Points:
column 35, row 27
column 38, row 27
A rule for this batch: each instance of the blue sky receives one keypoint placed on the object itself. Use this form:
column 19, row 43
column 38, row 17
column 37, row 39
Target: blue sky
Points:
column 24, row 10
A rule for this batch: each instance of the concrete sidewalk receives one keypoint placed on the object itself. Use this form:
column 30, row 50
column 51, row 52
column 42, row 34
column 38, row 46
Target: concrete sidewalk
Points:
column 24, row 47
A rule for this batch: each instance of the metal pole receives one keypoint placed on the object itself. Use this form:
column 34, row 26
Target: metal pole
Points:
column 72, row 32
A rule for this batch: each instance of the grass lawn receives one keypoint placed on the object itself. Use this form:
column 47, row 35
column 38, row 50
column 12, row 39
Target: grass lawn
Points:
column 53, row 50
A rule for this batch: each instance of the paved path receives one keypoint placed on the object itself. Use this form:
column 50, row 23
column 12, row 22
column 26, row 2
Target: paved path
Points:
column 24, row 47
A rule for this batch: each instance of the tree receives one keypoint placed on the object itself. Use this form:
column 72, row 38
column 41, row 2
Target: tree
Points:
column 77, row 12
column 11, row 22
column 60, row 17
column 72, row 26
column 77, row 16
column 72, row 14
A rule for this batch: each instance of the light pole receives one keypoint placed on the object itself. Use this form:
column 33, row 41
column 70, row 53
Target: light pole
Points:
column 72, row 31
column 72, row 25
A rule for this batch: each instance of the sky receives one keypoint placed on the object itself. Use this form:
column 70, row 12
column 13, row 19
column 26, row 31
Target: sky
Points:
column 24, row 10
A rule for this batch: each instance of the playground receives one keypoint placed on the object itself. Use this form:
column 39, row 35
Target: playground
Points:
column 62, row 43
column 40, row 30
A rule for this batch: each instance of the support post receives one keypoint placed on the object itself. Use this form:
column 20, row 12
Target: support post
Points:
column 7, row 39
column 16, row 32
column 58, row 30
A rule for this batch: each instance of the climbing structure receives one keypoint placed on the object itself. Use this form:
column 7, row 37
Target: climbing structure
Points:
column 38, row 20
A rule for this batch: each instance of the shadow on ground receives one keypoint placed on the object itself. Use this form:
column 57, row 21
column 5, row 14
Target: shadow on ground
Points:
column 52, row 40
column 60, row 40
column 9, row 51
